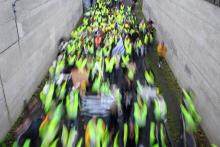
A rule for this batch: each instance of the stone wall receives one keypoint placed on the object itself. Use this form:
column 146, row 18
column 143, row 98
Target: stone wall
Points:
column 29, row 33
column 191, row 30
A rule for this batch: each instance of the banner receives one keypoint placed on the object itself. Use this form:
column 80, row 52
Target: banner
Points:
column 97, row 105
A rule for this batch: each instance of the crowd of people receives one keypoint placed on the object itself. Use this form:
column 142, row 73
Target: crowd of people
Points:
column 106, row 53
column 90, row 3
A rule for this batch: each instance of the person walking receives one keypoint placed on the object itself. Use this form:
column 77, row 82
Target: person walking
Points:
column 116, row 2
column 161, row 50
column 133, row 4
column 92, row 2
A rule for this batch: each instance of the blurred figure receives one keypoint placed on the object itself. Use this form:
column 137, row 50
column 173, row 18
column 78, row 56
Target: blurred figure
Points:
column 150, row 25
column 92, row 2
column 115, row 2
column 190, row 115
column 149, row 77
column 127, row 106
column 133, row 3
column 161, row 51
column 142, row 27
column 96, row 133
column 146, row 43
column 98, row 40
column 31, row 132
column 160, row 109
column 113, row 121
column 90, row 133
column 131, row 138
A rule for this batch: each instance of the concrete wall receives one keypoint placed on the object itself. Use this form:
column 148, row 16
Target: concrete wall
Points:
column 28, row 44
column 191, row 30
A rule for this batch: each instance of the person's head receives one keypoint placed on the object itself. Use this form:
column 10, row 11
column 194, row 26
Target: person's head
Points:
column 162, row 43
column 150, row 22
column 94, row 118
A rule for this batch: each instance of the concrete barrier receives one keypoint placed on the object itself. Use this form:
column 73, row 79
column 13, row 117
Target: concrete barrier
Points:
column 29, row 33
column 191, row 30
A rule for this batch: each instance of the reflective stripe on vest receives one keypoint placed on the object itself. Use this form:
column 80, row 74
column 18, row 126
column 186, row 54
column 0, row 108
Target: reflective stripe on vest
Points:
column 79, row 144
column 151, row 38
column 71, row 60
column 146, row 39
column 149, row 77
column 105, row 138
column 72, row 103
column 162, row 137
column 157, row 110
column 105, row 88
column 49, row 97
column 125, row 60
column 131, row 73
column 51, row 71
column 190, row 124
column 64, row 137
column 152, row 133
column 96, row 84
column 54, row 143
column 72, row 137
column 116, row 140
column 125, row 137
column 27, row 143
column 136, row 130
column 63, row 90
